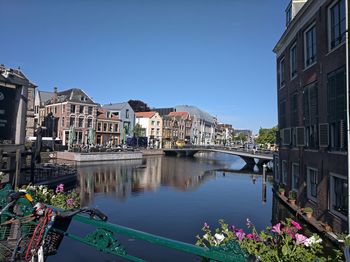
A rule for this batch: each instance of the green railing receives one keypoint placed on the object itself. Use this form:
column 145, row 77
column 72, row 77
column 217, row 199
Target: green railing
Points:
column 103, row 235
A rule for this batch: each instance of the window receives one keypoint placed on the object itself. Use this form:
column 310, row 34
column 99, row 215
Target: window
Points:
column 288, row 15
column 312, row 181
column 127, row 113
column 337, row 24
column 152, row 123
column 294, row 109
column 310, row 108
column 99, row 126
column 293, row 61
column 337, row 109
column 310, row 46
column 89, row 122
column 105, row 127
column 110, row 128
column 72, row 121
column 72, row 109
column 62, row 122
column 81, row 109
column 281, row 73
column 282, row 114
column 152, row 131
column 81, row 122
column 158, row 123
column 338, row 195
column 158, row 132
column 284, row 172
column 295, row 176
column 90, row 110
column 116, row 128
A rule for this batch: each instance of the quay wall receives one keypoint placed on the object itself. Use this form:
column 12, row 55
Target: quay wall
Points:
column 98, row 156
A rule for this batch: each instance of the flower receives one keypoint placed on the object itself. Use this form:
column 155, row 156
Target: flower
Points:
column 249, row 223
column 233, row 228
column 219, row 238
column 59, row 188
column 312, row 240
column 240, row 234
column 296, row 225
column 277, row 228
column 250, row 236
column 206, row 226
column 300, row 239
column 70, row 201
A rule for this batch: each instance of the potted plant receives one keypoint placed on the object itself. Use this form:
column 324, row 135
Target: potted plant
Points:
column 281, row 190
column 308, row 212
column 292, row 196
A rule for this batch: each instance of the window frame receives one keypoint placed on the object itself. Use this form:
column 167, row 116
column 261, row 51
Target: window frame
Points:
column 308, row 29
column 308, row 183
column 281, row 72
column 284, row 172
column 329, row 16
column 294, row 164
column 291, row 71
column 331, row 196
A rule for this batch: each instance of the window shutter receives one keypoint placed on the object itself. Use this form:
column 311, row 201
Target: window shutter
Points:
column 324, row 135
column 286, row 136
column 300, row 136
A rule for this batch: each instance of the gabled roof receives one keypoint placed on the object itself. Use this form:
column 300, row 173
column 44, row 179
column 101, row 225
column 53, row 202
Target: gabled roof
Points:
column 45, row 97
column 76, row 95
column 145, row 114
column 195, row 112
column 14, row 76
column 116, row 106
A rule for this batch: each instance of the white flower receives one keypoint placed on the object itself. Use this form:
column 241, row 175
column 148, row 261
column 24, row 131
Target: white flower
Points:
column 312, row 240
column 45, row 191
column 205, row 236
column 219, row 238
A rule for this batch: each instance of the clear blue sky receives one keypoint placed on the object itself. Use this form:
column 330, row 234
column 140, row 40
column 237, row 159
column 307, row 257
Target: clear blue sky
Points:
column 214, row 54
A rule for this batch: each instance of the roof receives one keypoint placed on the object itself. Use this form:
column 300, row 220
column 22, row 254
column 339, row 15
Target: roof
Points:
column 182, row 114
column 116, row 106
column 14, row 76
column 101, row 114
column 195, row 111
column 71, row 95
column 45, row 96
column 145, row 114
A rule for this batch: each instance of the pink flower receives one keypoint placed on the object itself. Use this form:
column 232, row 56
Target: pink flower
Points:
column 70, row 201
column 59, row 188
column 250, row 236
column 296, row 225
column 240, row 234
column 206, row 226
column 233, row 228
column 277, row 228
column 300, row 239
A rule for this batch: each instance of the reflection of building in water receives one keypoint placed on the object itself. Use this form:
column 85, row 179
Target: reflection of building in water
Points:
column 121, row 180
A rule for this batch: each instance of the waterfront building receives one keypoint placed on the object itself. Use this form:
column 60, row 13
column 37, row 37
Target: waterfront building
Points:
column 152, row 124
column 311, row 90
column 224, row 134
column 41, row 98
column 176, row 128
column 127, row 117
column 107, row 128
column 15, row 118
column 72, row 108
column 203, row 125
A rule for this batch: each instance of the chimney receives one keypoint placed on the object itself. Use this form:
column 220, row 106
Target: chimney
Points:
column 55, row 96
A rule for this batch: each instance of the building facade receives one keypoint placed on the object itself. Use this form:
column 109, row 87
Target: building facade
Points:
column 72, row 108
column 152, row 124
column 311, row 90
column 176, row 128
column 107, row 128
column 127, row 116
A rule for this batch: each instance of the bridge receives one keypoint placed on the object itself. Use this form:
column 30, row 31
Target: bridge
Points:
column 249, row 156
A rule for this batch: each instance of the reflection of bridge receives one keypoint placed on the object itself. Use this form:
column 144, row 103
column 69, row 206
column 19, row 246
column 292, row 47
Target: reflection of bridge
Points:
column 248, row 156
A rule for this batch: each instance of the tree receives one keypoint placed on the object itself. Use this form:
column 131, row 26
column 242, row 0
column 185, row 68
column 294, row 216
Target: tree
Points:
column 138, row 130
column 139, row 106
column 267, row 136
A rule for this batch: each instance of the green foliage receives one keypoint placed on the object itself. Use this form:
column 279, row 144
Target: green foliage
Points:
column 57, row 198
column 267, row 136
column 280, row 243
column 292, row 195
column 307, row 210
column 241, row 137
column 138, row 130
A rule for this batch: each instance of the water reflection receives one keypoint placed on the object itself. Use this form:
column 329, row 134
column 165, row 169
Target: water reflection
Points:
column 126, row 178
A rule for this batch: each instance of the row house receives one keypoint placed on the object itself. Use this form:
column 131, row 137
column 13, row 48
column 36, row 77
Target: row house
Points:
column 127, row 117
column 107, row 128
column 176, row 128
column 72, row 108
column 311, row 91
column 224, row 134
column 203, row 125
column 152, row 124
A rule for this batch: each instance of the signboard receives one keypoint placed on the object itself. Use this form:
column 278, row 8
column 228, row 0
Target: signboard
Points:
column 7, row 113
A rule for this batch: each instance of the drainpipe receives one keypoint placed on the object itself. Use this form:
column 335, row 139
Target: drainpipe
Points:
column 347, row 99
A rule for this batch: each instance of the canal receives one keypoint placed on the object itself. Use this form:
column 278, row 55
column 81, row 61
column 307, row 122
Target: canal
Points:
column 171, row 197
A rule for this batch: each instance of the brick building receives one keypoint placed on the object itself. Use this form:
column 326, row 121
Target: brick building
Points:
column 75, row 108
column 107, row 128
column 311, row 81
column 176, row 127
column 152, row 124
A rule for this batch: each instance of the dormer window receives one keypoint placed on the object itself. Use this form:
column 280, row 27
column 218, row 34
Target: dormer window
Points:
column 288, row 14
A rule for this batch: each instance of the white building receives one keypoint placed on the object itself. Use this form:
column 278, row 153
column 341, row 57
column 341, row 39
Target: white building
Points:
column 152, row 124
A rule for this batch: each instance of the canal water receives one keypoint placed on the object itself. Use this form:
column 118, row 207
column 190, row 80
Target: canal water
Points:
column 171, row 197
